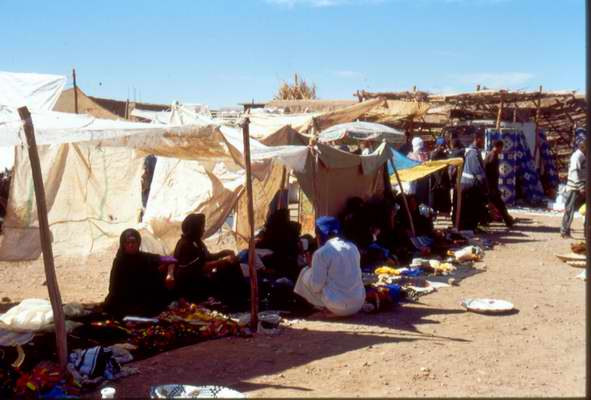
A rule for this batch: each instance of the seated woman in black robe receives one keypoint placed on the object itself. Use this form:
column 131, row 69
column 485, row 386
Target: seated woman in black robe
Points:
column 282, row 236
column 361, row 221
column 140, row 282
column 200, row 274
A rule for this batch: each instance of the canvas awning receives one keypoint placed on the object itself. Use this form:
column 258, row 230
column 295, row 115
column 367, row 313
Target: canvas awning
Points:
column 425, row 169
column 361, row 131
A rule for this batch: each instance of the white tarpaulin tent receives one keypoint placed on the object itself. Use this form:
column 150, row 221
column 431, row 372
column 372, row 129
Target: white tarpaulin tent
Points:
column 217, row 188
column 360, row 130
column 91, row 176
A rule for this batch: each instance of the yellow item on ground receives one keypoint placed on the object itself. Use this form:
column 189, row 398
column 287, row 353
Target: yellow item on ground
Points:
column 583, row 209
column 385, row 270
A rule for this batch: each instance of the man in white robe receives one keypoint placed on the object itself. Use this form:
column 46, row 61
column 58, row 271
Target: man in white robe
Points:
column 333, row 282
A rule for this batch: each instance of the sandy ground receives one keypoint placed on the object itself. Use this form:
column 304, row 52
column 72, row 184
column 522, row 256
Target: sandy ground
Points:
column 433, row 348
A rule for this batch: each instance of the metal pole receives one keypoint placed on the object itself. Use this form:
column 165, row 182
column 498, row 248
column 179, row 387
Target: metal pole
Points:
column 52, row 284
column 254, row 291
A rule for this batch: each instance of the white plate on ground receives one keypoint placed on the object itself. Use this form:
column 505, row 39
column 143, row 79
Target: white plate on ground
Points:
column 487, row 306
column 177, row 391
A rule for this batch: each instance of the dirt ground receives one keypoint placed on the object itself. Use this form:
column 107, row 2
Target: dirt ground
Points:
column 433, row 348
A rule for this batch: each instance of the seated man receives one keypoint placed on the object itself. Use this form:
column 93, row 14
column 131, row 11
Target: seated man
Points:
column 200, row 274
column 333, row 282
column 140, row 282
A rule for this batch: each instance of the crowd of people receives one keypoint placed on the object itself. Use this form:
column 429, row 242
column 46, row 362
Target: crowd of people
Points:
column 311, row 273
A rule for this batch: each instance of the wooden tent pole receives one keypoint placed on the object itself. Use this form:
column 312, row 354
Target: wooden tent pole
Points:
column 284, row 179
column 254, row 291
column 75, row 91
column 45, row 234
column 127, row 109
column 412, row 225
column 459, row 195
column 537, row 121
column 500, row 113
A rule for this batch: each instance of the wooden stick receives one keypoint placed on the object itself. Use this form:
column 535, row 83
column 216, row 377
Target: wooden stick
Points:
column 75, row 91
column 412, row 225
column 537, row 120
column 45, row 234
column 459, row 195
column 499, row 115
column 254, row 290
column 284, row 179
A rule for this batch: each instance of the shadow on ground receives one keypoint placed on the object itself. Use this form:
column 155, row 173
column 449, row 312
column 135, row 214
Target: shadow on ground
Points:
column 232, row 362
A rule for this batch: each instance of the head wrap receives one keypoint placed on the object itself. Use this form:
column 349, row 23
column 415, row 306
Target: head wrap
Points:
column 130, row 233
column 440, row 141
column 580, row 136
column 327, row 227
column 417, row 144
column 193, row 226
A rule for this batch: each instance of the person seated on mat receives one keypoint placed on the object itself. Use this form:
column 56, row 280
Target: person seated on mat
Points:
column 200, row 274
column 360, row 221
column 282, row 237
column 333, row 282
column 140, row 282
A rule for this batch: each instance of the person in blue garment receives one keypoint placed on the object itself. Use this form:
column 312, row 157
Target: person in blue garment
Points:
column 474, row 185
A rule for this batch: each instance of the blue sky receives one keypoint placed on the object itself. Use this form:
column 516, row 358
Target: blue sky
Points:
column 224, row 52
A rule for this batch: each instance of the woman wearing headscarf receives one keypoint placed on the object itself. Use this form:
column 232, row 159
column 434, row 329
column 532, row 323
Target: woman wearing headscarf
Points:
column 199, row 273
column 140, row 282
column 282, row 236
column 333, row 282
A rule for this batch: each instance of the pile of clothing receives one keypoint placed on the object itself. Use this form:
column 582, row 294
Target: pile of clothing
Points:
column 102, row 346
column 45, row 380
column 389, row 285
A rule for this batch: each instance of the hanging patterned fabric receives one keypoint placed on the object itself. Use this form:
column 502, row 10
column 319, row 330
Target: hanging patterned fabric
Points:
column 518, row 178
column 548, row 172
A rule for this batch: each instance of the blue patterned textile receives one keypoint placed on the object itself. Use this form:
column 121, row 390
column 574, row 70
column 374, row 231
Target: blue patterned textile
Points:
column 518, row 178
column 548, row 171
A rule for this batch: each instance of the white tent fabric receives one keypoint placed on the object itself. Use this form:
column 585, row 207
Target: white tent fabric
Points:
column 36, row 91
column 214, row 186
column 156, row 117
column 262, row 125
column 92, row 178
column 181, row 187
column 361, row 131
column 92, row 195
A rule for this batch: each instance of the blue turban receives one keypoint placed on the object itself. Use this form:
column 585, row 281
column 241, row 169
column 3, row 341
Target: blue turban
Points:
column 327, row 227
column 440, row 141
